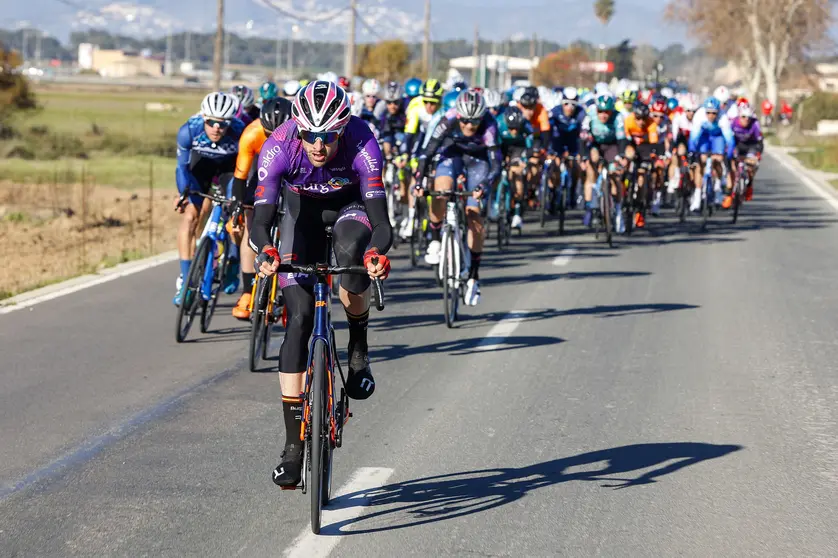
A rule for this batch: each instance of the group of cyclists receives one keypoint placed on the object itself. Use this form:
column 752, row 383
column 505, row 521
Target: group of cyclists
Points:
column 320, row 154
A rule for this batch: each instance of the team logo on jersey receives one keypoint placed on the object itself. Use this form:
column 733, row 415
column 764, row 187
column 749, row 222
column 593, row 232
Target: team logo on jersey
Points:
column 338, row 182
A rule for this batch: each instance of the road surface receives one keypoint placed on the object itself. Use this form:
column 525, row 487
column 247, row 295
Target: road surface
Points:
column 673, row 396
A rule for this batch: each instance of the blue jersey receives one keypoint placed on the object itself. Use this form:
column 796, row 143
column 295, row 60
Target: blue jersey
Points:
column 564, row 129
column 704, row 132
column 193, row 138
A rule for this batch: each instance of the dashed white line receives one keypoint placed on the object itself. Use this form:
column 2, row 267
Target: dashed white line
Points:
column 364, row 481
column 565, row 256
column 502, row 330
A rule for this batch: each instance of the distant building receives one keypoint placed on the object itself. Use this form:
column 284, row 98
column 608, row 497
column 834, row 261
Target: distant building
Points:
column 493, row 70
column 119, row 63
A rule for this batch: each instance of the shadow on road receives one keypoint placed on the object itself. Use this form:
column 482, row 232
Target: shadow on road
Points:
column 438, row 498
column 461, row 347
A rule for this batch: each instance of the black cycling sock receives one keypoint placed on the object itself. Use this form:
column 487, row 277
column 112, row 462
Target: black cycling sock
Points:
column 475, row 265
column 436, row 231
column 357, row 327
column 247, row 281
column 292, row 409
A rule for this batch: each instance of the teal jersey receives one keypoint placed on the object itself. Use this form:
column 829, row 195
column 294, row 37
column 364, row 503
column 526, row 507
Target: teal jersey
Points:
column 506, row 139
column 610, row 132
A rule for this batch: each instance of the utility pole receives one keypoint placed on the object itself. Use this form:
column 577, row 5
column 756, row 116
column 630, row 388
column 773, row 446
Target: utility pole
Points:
column 426, row 44
column 187, row 54
column 227, row 37
column 167, row 68
column 278, row 50
column 219, row 44
column 349, row 64
column 38, row 35
column 475, row 53
column 290, row 61
column 532, row 55
column 24, row 45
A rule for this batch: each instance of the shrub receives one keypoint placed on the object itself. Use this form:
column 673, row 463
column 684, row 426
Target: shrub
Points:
column 820, row 106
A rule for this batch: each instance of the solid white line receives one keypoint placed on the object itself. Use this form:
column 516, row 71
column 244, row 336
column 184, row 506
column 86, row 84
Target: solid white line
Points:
column 364, row 481
column 565, row 256
column 76, row 284
column 797, row 168
column 502, row 330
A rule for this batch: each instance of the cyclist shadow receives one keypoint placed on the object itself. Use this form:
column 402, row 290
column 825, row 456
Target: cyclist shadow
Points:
column 442, row 497
column 462, row 347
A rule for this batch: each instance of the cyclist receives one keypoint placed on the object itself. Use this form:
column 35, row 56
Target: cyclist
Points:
column 641, row 141
column 207, row 145
column 748, row 145
column 267, row 91
column 681, row 126
column 373, row 107
column 710, row 135
column 275, row 111
column 466, row 139
column 566, row 125
column 392, row 137
column 604, row 129
column 329, row 165
column 290, row 89
column 515, row 135
column 344, row 83
column 420, row 111
column 658, row 113
column 247, row 111
column 494, row 103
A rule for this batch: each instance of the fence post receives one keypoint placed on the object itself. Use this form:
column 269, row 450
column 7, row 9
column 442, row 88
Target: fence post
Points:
column 151, row 207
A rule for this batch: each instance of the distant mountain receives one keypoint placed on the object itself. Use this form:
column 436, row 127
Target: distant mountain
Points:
column 563, row 21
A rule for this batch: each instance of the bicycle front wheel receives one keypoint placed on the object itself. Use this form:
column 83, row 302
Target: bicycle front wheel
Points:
column 190, row 301
column 208, row 308
column 321, row 455
column 607, row 207
column 450, row 293
column 259, row 323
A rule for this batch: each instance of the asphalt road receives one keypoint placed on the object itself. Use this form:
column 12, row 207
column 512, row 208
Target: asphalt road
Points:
column 673, row 396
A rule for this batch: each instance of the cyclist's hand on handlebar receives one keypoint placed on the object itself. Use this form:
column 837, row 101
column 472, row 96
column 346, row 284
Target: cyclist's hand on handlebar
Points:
column 378, row 265
column 267, row 262
column 181, row 203
column 478, row 192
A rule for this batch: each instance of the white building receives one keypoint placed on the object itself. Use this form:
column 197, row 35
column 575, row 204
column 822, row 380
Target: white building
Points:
column 495, row 71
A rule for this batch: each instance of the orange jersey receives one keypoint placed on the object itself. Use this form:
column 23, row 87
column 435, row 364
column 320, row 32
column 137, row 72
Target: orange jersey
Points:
column 250, row 144
column 540, row 119
column 646, row 132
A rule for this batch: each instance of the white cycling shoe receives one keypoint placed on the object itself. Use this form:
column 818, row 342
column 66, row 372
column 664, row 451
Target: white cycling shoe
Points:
column 432, row 253
column 517, row 222
column 472, row 292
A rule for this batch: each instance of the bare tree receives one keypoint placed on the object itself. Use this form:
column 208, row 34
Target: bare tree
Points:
column 759, row 36
column 604, row 10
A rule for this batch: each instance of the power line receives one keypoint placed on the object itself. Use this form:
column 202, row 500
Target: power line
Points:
column 297, row 17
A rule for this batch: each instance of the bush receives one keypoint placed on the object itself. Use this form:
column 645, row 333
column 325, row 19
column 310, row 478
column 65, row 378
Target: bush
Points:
column 820, row 106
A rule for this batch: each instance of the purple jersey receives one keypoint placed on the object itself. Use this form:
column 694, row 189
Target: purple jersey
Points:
column 353, row 174
column 750, row 133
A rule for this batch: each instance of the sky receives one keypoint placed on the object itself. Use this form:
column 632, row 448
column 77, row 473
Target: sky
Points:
column 558, row 20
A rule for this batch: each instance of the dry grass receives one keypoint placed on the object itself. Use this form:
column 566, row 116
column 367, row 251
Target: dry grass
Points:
column 51, row 232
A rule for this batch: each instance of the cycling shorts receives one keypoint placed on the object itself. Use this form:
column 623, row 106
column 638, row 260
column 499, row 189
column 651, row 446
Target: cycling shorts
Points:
column 746, row 150
column 513, row 152
column 475, row 170
column 304, row 238
column 392, row 138
column 205, row 171
column 712, row 144
column 560, row 145
column 607, row 151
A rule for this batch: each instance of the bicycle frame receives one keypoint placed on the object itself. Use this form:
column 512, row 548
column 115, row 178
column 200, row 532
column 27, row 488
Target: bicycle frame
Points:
column 708, row 179
column 462, row 257
column 216, row 231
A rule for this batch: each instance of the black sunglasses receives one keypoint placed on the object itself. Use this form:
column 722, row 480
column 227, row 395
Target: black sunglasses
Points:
column 212, row 123
column 472, row 121
column 311, row 137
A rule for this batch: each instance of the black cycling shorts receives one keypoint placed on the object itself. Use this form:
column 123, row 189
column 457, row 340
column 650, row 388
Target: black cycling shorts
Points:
column 205, row 170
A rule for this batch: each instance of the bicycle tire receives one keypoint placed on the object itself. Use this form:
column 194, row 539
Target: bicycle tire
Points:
column 628, row 208
column 208, row 309
column 562, row 208
column 319, row 435
column 192, row 283
column 258, row 323
column 543, row 195
column 449, row 293
column 606, row 208
column 705, row 206
column 683, row 200
column 738, row 190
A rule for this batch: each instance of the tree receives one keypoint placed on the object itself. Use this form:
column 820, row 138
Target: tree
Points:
column 759, row 36
column 387, row 60
column 561, row 68
column 604, row 10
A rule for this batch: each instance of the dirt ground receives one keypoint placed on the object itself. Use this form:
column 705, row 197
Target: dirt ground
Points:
column 53, row 232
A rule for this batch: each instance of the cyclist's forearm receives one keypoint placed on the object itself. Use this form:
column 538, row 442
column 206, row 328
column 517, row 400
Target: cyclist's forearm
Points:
column 264, row 216
column 382, row 232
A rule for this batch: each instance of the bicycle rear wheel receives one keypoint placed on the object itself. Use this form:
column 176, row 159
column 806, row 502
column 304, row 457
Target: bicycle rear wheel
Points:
column 543, row 200
column 191, row 299
column 321, row 448
column 208, row 308
column 563, row 193
column 738, row 192
column 705, row 205
column 606, row 205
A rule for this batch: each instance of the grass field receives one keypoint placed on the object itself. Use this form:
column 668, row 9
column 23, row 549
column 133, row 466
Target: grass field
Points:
column 77, row 193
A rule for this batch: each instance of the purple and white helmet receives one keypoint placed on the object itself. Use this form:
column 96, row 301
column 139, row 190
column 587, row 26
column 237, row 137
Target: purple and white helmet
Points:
column 321, row 106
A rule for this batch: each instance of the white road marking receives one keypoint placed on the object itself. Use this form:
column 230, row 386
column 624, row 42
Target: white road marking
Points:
column 799, row 171
column 25, row 300
column 565, row 256
column 502, row 330
column 364, row 481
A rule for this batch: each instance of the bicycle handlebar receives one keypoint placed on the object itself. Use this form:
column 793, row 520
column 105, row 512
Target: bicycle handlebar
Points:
column 184, row 197
column 322, row 270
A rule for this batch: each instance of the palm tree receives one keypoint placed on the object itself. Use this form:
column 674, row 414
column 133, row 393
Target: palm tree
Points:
column 604, row 10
